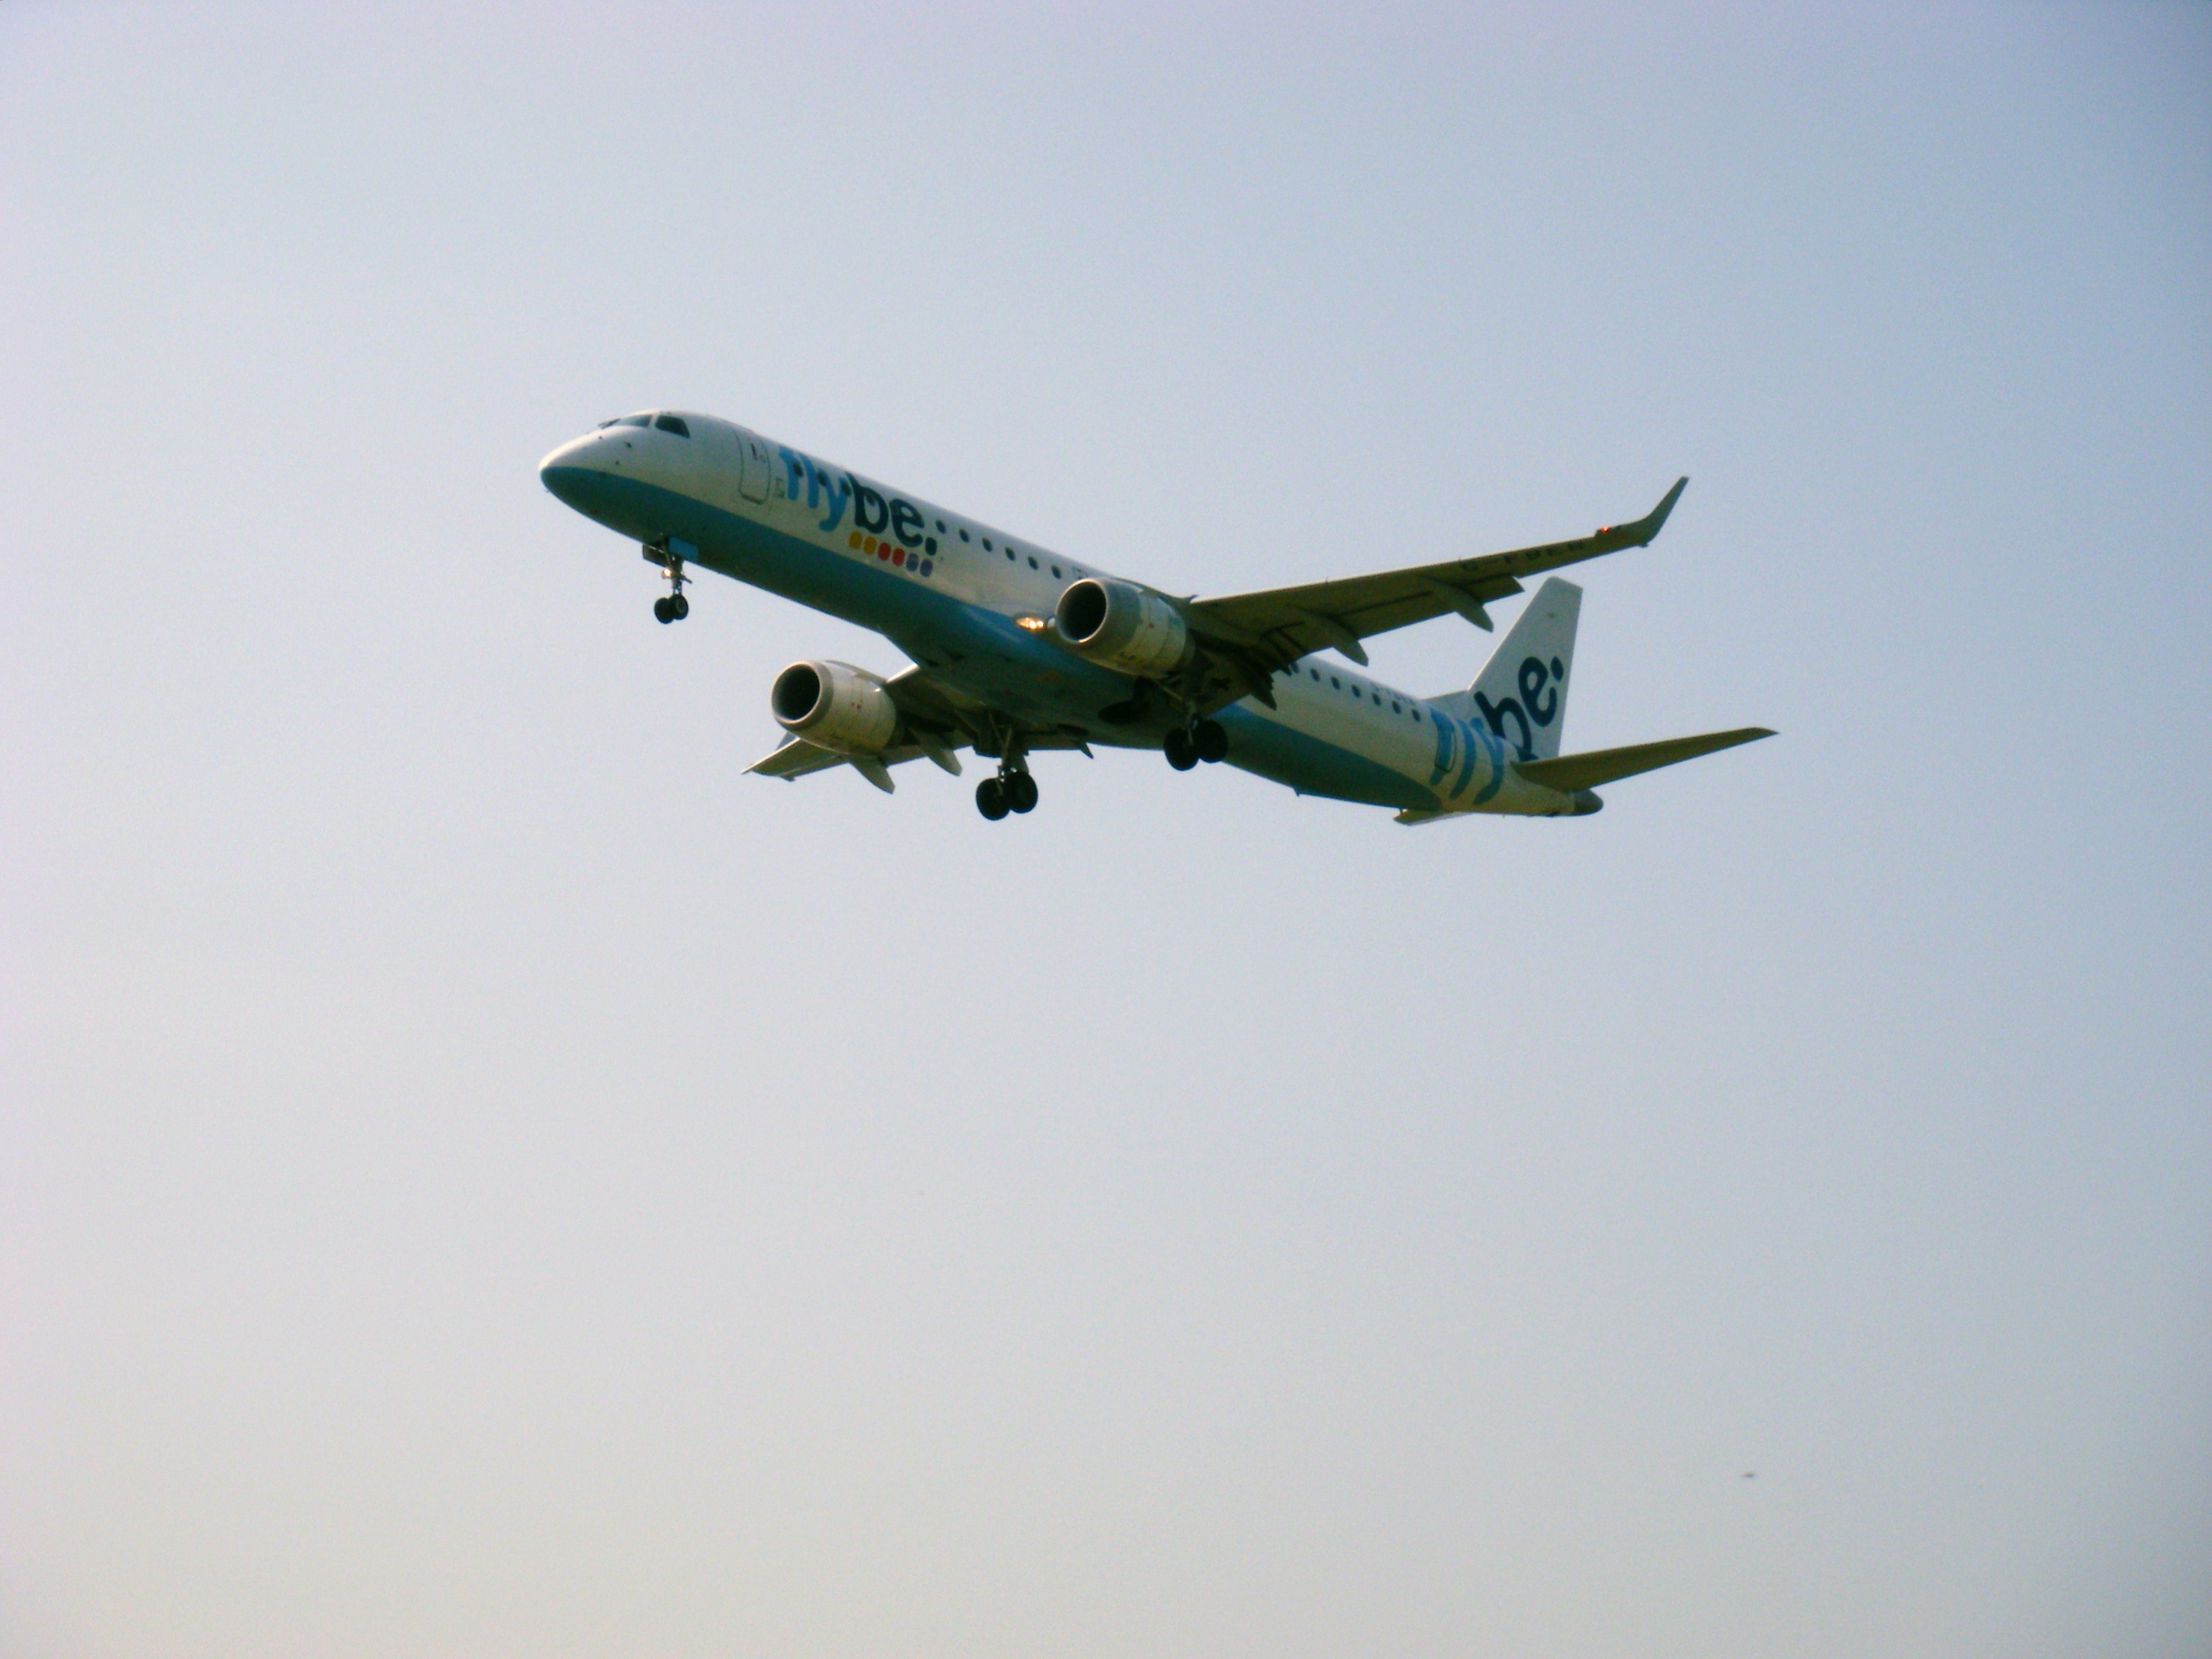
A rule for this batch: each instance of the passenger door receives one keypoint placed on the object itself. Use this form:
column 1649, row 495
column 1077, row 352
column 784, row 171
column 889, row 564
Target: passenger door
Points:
column 753, row 467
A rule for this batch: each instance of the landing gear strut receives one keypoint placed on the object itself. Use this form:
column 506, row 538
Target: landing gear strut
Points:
column 1202, row 740
column 673, row 606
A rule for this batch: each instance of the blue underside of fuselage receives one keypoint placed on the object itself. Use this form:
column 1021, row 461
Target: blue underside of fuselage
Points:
column 982, row 652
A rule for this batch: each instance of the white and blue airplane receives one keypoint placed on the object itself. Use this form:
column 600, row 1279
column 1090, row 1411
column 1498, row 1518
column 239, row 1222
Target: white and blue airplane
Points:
column 1018, row 650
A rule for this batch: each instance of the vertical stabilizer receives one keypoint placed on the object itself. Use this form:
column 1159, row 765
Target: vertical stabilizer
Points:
column 1522, row 694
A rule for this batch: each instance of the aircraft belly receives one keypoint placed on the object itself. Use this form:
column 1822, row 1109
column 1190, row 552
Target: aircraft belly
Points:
column 1281, row 753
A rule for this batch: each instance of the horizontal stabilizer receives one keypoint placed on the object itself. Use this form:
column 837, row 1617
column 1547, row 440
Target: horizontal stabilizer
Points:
column 1573, row 772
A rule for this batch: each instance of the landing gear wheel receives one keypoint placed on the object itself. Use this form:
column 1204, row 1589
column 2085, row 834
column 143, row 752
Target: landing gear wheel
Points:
column 672, row 607
column 1020, row 791
column 1181, row 751
column 991, row 799
column 1209, row 741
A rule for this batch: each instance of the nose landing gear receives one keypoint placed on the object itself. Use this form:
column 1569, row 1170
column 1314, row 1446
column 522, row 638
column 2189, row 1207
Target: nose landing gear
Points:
column 673, row 606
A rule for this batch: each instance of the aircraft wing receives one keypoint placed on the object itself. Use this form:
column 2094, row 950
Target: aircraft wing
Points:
column 1269, row 631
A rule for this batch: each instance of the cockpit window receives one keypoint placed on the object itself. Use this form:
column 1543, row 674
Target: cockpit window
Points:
column 633, row 420
column 673, row 424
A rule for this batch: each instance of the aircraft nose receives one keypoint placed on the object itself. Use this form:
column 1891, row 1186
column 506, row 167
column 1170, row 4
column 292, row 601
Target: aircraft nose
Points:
column 568, row 467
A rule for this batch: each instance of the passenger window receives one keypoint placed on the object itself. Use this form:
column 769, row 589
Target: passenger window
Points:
column 1033, row 563
column 1395, row 709
column 1335, row 681
column 1055, row 573
column 987, row 546
column 940, row 526
column 673, row 423
column 963, row 535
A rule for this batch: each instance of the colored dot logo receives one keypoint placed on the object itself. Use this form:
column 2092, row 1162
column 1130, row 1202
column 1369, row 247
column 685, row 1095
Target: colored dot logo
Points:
column 891, row 553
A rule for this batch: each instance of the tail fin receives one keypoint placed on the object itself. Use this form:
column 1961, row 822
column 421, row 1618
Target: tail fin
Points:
column 1522, row 694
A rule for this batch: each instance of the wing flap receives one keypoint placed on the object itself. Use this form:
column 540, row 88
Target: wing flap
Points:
column 798, row 759
column 1587, row 771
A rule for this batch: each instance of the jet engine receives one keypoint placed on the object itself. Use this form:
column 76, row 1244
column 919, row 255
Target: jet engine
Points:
column 835, row 706
column 1123, row 627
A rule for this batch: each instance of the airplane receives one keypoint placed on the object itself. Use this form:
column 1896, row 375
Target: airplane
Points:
column 1018, row 651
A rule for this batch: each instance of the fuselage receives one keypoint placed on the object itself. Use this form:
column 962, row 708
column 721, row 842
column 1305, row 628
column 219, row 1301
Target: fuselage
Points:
column 974, row 606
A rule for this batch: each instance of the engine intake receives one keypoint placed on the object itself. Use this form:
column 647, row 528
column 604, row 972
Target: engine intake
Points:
column 835, row 706
column 1124, row 627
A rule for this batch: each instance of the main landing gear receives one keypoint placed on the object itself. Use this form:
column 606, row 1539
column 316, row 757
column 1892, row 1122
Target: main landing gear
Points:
column 1205, row 740
column 672, row 606
column 1013, row 791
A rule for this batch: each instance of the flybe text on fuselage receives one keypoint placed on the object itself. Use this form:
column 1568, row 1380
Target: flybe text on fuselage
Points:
column 891, row 518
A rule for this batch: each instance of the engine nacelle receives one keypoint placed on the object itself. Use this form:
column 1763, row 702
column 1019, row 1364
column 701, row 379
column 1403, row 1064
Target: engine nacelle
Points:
column 1123, row 627
column 835, row 706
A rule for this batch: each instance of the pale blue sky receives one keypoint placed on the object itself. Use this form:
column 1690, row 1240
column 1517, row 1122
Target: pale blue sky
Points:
column 479, row 1175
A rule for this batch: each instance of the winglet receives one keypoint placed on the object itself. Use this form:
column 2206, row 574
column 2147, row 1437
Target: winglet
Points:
column 1646, row 529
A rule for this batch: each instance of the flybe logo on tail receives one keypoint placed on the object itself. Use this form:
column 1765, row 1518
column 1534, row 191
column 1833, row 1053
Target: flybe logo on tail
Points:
column 1460, row 748
column 1538, row 705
